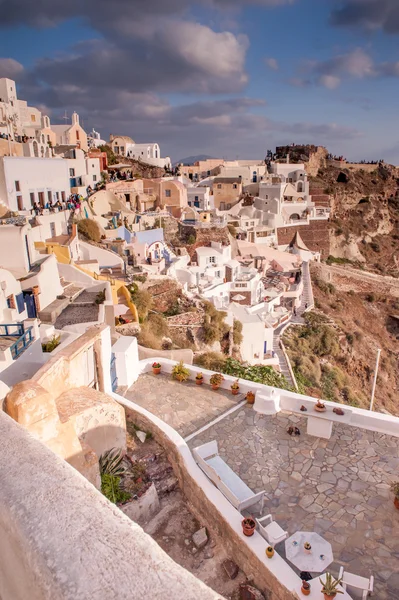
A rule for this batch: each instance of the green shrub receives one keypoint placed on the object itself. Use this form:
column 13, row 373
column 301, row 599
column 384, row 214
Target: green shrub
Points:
column 331, row 260
column 142, row 300
column 232, row 230
column 111, row 462
column 214, row 361
column 148, row 339
column 191, row 240
column 100, row 298
column 140, row 278
column 111, row 488
column 180, row 372
column 256, row 373
column 90, row 229
column 51, row 344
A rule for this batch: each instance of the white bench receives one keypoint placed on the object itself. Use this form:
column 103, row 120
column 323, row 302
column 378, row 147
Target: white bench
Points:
column 228, row 482
column 355, row 581
column 319, row 424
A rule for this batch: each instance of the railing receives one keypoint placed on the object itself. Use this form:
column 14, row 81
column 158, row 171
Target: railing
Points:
column 23, row 342
column 17, row 329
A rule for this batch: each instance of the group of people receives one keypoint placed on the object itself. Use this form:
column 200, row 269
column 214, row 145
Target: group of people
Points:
column 73, row 203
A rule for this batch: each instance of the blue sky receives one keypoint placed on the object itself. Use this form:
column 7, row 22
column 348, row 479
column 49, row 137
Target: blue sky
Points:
column 222, row 77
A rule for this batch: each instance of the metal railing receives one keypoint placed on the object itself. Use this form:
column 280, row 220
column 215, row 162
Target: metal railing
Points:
column 11, row 329
column 22, row 343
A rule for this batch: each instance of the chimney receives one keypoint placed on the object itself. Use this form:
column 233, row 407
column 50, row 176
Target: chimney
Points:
column 75, row 118
column 288, row 158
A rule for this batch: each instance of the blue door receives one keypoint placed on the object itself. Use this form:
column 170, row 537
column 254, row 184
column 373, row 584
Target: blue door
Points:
column 114, row 378
column 30, row 305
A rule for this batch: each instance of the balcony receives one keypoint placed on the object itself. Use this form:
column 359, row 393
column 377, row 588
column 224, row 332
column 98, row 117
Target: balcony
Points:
column 15, row 338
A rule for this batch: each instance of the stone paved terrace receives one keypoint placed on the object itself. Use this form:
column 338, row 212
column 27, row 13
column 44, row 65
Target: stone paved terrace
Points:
column 184, row 406
column 338, row 488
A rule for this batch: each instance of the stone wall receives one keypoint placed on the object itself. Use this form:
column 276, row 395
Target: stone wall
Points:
column 204, row 237
column 315, row 235
column 188, row 319
column 320, row 198
column 62, row 540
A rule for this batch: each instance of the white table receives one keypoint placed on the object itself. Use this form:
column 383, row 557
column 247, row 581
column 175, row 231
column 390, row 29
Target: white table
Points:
column 315, row 561
column 315, row 591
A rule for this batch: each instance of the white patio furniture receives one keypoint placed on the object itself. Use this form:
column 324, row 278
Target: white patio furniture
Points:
column 315, row 590
column 355, row 581
column 271, row 531
column 319, row 424
column 317, row 559
column 228, row 482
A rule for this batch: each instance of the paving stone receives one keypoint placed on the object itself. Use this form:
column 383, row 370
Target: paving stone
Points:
column 231, row 568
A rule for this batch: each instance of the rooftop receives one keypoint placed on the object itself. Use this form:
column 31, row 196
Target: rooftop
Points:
column 338, row 488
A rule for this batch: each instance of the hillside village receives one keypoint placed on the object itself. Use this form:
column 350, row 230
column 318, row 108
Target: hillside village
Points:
column 279, row 275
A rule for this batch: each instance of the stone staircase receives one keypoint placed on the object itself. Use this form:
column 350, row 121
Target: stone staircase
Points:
column 284, row 369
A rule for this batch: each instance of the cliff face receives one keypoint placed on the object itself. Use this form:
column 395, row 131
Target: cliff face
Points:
column 364, row 226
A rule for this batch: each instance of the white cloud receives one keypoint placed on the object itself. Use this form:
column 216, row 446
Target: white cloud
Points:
column 10, row 68
column 272, row 63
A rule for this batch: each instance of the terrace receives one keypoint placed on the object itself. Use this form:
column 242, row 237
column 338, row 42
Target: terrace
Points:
column 337, row 487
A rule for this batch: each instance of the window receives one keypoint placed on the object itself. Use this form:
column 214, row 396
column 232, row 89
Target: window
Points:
column 219, row 186
column 122, row 149
column 77, row 135
column 168, row 193
column 49, row 196
column 48, row 138
column 94, row 178
column 17, row 186
column 267, row 197
column 240, row 285
column 71, row 172
column 234, row 186
column 196, row 198
column 62, row 196
column 211, row 259
column 33, row 118
column 32, row 198
column 11, row 301
column 57, row 195
column 20, row 203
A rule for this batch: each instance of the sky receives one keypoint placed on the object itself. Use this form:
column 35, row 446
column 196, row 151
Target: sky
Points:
column 227, row 78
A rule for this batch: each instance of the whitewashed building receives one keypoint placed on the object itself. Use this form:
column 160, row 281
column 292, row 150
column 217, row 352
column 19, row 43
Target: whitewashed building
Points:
column 149, row 153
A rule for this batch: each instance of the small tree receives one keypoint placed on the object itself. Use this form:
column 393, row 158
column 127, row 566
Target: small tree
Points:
column 237, row 332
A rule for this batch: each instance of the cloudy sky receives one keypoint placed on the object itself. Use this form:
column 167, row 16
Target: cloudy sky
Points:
column 228, row 78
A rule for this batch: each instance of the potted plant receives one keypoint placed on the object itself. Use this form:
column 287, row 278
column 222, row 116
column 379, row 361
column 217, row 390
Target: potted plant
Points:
column 180, row 372
column 235, row 388
column 156, row 368
column 319, row 406
column 329, row 587
column 248, row 526
column 250, row 397
column 307, row 547
column 395, row 489
column 305, row 589
column 216, row 380
column 270, row 552
column 199, row 379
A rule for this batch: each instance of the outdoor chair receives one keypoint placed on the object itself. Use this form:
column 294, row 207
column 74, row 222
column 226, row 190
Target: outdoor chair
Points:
column 355, row 581
column 271, row 531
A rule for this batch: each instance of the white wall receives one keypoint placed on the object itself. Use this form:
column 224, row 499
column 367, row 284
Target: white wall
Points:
column 48, row 281
column 9, row 286
column 48, row 225
column 34, row 175
column 105, row 257
column 12, row 237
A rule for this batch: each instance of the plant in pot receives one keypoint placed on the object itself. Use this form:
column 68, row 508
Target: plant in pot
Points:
column 248, row 526
column 307, row 547
column 235, row 388
column 305, row 589
column 329, row 587
column 156, row 368
column 180, row 372
column 319, row 406
column 250, row 397
column 270, row 552
column 199, row 379
column 216, row 380
column 395, row 489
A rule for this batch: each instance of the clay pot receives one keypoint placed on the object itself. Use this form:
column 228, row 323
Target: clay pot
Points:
column 235, row 392
column 269, row 552
column 215, row 386
column 319, row 408
column 199, row 381
column 156, row 371
column 328, row 597
column 250, row 397
column 396, row 502
column 305, row 591
column 248, row 529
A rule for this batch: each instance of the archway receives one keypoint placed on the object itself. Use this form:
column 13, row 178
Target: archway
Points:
column 295, row 217
column 35, row 149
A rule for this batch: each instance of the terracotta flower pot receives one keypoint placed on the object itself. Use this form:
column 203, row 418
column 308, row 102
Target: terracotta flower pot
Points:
column 250, row 397
column 305, row 592
column 248, row 528
column 328, row 597
column 235, row 392
column 199, row 381
column 156, row 371
column 319, row 408
column 215, row 386
column 269, row 552
column 396, row 502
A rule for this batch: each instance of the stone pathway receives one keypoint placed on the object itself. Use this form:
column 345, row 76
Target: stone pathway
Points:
column 185, row 406
column 338, row 488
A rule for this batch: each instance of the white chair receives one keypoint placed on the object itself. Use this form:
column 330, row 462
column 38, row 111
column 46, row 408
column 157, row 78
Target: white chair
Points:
column 271, row 531
column 361, row 583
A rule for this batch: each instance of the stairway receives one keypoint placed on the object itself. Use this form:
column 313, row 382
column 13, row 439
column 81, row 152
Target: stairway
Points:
column 281, row 358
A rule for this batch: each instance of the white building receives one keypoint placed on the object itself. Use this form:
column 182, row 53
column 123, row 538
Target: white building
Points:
column 94, row 139
column 199, row 197
column 83, row 171
column 149, row 153
column 24, row 181
column 256, row 347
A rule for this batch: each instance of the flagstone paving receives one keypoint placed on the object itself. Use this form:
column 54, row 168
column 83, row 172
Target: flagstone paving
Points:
column 185, row 406
column 338, row 488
